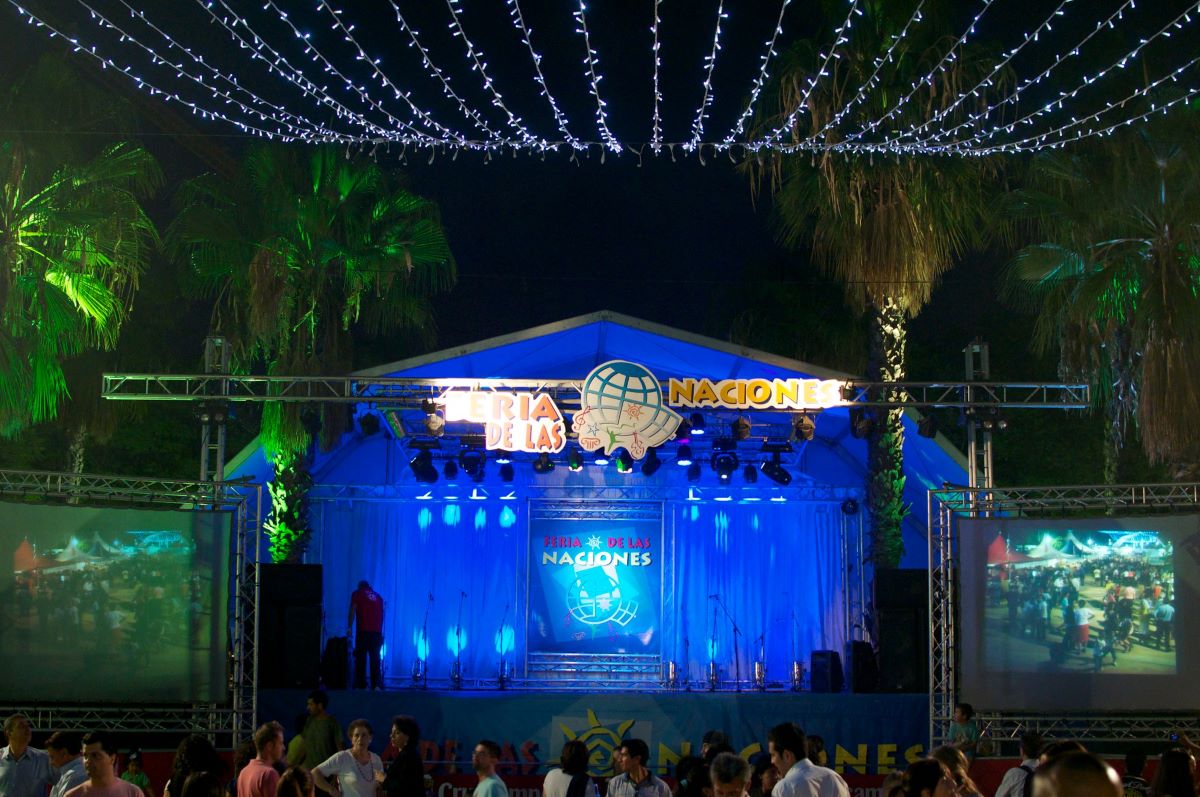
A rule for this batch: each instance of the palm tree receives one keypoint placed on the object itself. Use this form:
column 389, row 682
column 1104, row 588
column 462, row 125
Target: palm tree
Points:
column 73, row 242
column 885, row 226
column 1115, row 279
column 302, row 250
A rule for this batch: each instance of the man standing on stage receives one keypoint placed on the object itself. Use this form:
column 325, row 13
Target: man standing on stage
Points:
column 635, row 779
column 484, row 760
column 366, row 617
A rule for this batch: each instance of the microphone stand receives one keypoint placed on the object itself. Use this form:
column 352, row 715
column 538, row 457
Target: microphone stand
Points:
column 737, row 664
column 687, row 665
column 456, row 676
column 500, row 635
column 425, row 637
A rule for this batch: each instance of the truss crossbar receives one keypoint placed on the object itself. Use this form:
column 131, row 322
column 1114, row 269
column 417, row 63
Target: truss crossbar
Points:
column 591, row 493
column 245, row 501
column 945, row 508
column 409, row 393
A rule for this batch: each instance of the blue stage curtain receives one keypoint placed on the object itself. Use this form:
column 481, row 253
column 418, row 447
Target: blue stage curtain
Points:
column 777, row 569
column 409, row 550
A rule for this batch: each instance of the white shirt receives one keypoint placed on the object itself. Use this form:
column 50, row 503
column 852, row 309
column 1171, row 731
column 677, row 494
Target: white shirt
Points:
column 354, row 779
column 1013, row 784
column 557, row 782
column 806, row 779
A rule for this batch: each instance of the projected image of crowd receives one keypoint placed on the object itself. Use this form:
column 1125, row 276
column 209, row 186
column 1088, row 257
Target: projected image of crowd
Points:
column 1061, row 603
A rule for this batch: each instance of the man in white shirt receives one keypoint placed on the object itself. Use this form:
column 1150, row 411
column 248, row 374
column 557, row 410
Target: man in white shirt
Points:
column 66, row 757
column 801, row 778
column 1013, row 784
column 24, row 770
column 484, row 760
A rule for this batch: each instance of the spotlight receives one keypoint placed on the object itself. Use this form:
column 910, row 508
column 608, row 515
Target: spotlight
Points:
column 422, row 467
column 993, row 421
column 773, row 469
column 652, row 463
column 574, row 460
column 506, row 472
column 803, row 428
column 601, row 459
column 472, row 461
column 543, row 464
column 697, row 422
column 450, row 470
column 503, row 456
column 434, row 424
column 750, row 474
column 683, row 432
column 861, row 423
column 693, row 472
column 741, row 429
column 724, row 463
column 849, row 507
column 369, row 424
column 927, row 426
column 624, row 462
column 683, row 456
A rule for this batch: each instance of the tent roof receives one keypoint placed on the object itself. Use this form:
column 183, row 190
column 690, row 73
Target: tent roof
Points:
column 571, row 348
column 998, row 553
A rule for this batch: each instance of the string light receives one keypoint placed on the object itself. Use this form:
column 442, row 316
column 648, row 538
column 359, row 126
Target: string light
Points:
column 591, row 62
column 656, row 122
column 756, row 87
column 514, row 10
column 710, row 64
column 480, row 66
column 840, row 37
column 219, row 93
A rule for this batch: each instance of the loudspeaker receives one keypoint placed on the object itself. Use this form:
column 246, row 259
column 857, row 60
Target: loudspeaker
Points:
column 289, row 626
column 902, row 614
column 827, row 673
column 861, row 668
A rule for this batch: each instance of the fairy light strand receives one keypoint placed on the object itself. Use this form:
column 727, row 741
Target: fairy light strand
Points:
column 656, row 51
column 518, row 18
column 710, row 65
column 591, row 62
column 475, row 56
column 760, row 82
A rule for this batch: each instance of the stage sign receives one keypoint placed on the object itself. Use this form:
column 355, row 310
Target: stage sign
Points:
column 595, row 586
column 528, row 422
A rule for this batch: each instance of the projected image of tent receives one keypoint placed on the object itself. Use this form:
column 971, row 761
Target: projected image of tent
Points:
column 1073, row 546
column 998, row 553
column 1047, row 550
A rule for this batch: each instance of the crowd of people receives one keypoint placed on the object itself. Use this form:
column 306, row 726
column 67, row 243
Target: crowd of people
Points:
column 792, row 766
column 1128, row 602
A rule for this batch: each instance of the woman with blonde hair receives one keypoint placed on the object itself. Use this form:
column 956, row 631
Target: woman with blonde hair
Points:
column 956, row 761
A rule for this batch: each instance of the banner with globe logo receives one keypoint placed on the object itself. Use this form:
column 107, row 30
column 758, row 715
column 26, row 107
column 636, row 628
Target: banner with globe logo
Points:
column 595, row 586
column 622, row 407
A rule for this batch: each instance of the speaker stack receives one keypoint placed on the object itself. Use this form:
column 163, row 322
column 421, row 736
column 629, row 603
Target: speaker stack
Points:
column 902, row 614
column 289, row 626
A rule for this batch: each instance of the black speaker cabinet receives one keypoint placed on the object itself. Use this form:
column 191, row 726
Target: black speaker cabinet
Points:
column 861, row 668
column 902, row 614
column 289, row 626
column 827, row 673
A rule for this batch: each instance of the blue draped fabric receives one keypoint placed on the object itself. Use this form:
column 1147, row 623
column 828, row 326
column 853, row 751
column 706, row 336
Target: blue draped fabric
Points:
column 777, row 568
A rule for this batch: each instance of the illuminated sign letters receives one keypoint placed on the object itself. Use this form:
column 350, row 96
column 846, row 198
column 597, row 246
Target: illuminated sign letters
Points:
column 528, row 422
column 758, row 394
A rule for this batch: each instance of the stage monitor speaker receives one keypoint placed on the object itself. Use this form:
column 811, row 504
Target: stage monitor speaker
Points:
column 827, row 673
column 903, row 620
column 862, row 670
column 289, row 631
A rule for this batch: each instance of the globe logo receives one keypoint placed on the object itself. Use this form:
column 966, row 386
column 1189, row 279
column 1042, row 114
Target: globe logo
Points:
column 594, row 598
column 623, row 408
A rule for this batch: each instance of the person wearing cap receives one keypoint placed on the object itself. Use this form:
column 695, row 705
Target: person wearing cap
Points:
column 136, row 775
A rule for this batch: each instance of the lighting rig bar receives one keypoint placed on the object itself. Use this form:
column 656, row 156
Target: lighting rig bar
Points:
column 409, row 393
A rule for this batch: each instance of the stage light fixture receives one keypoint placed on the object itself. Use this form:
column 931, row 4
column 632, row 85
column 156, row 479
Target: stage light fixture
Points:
column 693, row 472
column 683, row 432
column 601, row 459
column 574, row 460
column 927, row 426
column 507, row 472
column 773, row 469
column 750, row 474
column 803, row 428
column 624, row 462
column 861, row 423
column 369, row 424
column 472, row 461
column 683, row 457
column 992, row 421
column 422, row 467
column 435, row 424
column 697, row 422
column 652, row 463
column 543, row 464
column 503, row 456
column 724, row 463
column 450, row 470
column 850, row 507
column 741, row 428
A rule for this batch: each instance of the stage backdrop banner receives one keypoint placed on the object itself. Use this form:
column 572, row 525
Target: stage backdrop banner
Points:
column 595, row 585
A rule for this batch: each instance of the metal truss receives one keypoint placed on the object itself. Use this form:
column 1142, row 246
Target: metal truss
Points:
column 245, row 501
column 409, row 393
column 827, row 493
column 945, row 507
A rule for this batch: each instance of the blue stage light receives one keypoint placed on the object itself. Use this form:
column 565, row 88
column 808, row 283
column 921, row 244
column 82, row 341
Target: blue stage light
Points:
column 455, row 640
column 505, row 640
